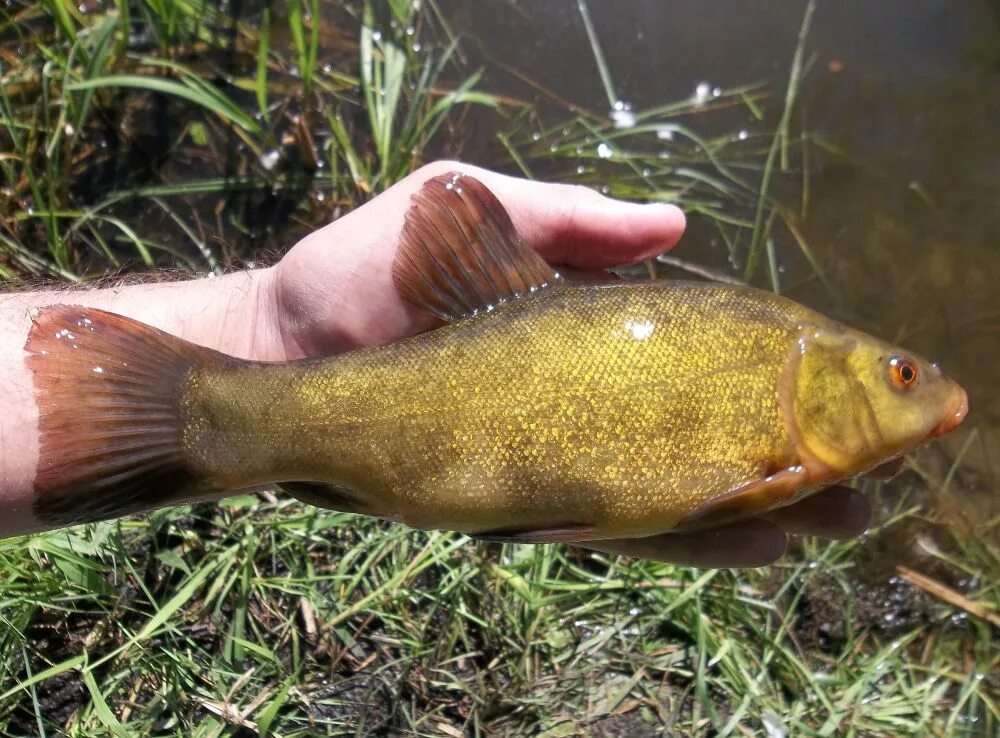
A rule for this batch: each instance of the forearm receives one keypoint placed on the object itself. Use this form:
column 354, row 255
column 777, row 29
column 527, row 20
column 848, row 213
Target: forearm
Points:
column 233, row 314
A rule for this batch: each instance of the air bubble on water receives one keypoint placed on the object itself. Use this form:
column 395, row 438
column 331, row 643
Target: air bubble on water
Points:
column 743, row 135
column 665, row 132
column 664, row 155
column 622, row 115
column 605, row 189
column 410, row 30
column 553, row 148
column 701, row 93
column 376, row 35
column 328, row 68
column 320, row 196
column 646, row 171
column 604, row 151
column 633, row 611
column 535, row 135
column 716, row 92
column 415, row 46
column 565, row 131
column 581, row 169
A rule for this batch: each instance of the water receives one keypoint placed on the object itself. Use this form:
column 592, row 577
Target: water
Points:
column 904, row 98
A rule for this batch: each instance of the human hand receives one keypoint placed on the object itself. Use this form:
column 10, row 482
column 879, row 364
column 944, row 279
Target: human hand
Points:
column 334, row 292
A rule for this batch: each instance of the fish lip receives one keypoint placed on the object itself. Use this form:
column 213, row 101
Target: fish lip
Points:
column 955, row 418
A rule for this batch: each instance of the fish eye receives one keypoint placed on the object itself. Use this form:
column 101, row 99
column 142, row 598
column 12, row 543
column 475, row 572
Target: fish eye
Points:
column 902, row 373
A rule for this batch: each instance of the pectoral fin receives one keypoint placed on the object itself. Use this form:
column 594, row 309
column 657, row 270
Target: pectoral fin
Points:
column 753, row 498
column 571, row 533
column 459, row 252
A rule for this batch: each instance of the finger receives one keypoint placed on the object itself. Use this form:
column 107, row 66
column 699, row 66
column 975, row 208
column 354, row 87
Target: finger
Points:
column 837, row 512
column 574, row 225
column 743, row 544
column 337, row 289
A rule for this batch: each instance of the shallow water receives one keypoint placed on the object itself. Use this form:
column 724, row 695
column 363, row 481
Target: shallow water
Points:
column 903, row 210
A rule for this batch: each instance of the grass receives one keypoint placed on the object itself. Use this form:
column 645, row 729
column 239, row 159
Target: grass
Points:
column 265, row 617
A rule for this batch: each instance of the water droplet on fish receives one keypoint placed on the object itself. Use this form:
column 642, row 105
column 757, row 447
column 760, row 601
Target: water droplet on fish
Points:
column 640, row 330
column 604, row 151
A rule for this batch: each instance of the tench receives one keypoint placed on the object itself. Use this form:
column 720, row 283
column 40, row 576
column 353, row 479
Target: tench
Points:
column 542, row 410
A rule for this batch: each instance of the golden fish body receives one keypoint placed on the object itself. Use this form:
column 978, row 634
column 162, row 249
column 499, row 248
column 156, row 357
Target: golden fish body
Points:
column 621, row 407
column 541, row 411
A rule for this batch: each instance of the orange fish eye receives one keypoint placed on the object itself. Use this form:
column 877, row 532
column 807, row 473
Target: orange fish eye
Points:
column 902, row 372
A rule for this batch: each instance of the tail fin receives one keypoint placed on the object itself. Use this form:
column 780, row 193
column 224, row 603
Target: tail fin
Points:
column 109, row 393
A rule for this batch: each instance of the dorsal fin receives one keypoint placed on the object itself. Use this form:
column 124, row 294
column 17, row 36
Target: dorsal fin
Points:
column 459, row 252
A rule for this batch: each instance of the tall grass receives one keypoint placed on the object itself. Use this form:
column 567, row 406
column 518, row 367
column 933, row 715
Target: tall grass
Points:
column 261, row 616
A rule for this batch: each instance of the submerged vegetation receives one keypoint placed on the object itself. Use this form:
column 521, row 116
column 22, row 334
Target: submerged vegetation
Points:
column 136, row 135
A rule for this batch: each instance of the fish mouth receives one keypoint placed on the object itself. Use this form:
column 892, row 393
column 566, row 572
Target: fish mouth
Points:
column 954, row 418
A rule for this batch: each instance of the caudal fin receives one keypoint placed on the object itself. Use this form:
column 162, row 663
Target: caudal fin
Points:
column 109, row 393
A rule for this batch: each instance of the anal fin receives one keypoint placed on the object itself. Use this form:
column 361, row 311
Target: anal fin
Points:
column 571, row 533
column 329, row 496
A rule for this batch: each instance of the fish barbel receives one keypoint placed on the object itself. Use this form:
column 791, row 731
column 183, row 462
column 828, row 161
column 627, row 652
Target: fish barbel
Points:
column 541, row 411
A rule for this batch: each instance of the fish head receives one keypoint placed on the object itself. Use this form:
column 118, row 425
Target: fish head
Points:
column 854, row 401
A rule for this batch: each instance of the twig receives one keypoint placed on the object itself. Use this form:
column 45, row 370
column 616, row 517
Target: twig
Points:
column 948, row 595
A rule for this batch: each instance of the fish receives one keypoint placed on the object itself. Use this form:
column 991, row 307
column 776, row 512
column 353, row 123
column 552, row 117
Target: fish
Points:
column 540, row 410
